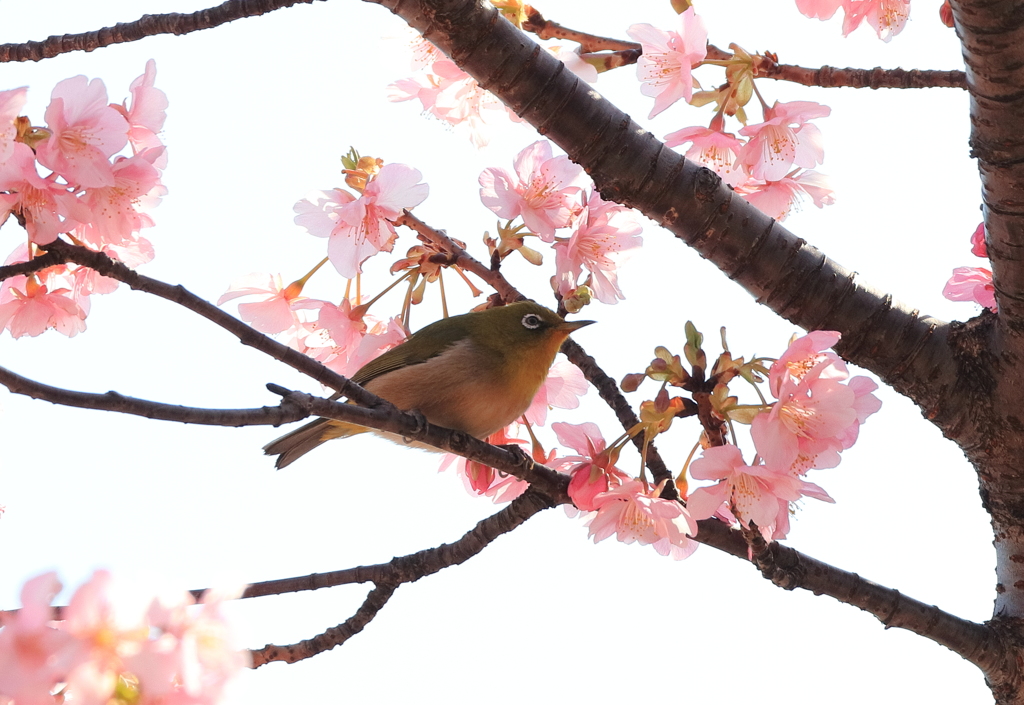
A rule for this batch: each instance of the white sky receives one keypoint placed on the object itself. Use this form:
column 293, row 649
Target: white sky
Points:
column 260, row 112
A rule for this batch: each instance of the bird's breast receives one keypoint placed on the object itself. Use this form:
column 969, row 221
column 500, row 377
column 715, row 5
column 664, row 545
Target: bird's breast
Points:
column 459, row 389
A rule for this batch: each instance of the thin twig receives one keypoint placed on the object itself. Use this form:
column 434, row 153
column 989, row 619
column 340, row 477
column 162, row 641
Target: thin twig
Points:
column 146, row 26
column 334, row 636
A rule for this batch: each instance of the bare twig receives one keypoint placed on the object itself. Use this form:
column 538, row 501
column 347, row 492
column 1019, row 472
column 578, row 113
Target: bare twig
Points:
column 145, row 26
column 112, row 401
column 335, row 636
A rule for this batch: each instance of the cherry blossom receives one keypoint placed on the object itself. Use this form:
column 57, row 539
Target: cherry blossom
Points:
column 84, row 133
column 664, row 67
column 591, row 472
column 47, row 206
column 118, row 211
column 603, row 236
column 818, row 412
column 147, row 113
column 822, row 9
column 752, row 493
column 972, row 284
column 572, row 60
column 978, row 246
column 777, row 198
column 11, row 103
column 451, row 95
column 359, row 228
column 716, row 150
column 481, row 480
column 886, row 17
column 783, row 140
column 35, row 307
column 30, row 647
column 275, row 312
column 562, row 388
column 102, row 652
column 634, row 512
column 543, row 191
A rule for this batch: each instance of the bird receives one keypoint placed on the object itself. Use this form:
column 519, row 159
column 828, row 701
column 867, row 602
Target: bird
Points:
column 476, row 372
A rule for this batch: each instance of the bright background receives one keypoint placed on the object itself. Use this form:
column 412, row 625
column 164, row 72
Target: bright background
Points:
column 260, row 111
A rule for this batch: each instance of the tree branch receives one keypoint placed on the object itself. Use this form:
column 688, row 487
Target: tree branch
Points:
column 335, row 636
column 112, row 401
column 767, row 66
column 145, row 26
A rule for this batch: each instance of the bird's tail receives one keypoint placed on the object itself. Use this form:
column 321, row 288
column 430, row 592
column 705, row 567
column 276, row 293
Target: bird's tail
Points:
column 294, row 444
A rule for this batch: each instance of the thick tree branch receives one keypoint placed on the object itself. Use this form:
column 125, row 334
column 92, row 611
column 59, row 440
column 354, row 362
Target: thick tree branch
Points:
column 992, row 37
column 145, row 26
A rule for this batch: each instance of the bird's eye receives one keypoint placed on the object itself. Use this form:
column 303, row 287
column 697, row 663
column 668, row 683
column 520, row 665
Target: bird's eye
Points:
column 532, row 321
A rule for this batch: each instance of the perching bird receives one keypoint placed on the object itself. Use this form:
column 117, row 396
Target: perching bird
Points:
column 477, row 373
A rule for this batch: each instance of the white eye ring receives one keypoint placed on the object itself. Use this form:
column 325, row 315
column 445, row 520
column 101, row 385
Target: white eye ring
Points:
column 531, row 321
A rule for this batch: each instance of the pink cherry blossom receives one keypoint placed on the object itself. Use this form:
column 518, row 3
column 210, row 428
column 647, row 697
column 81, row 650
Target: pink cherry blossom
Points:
column 886, row 17
column 48, row 207
column 451, row 95
column 978, row 247
column 591, row 472
column 11, row 103
column 633, row 512
column 30, row 648
column 752, row 493
column 84, row 133
column 777, row 198
column 147, row 113
column 564, row 385
column 802, row 430
column 971, row 284
column 664, row 67
column 275, row 312
column 822, row 9
column 716, row 150
column 481, row 480
column 573, row 62
column 350, row 344
column 783, row 140
column 192, row 658
column 604, row 235
column 806, row 355
column 34, row 309
column 118, row 211
column 544, row 190
column 359, row 228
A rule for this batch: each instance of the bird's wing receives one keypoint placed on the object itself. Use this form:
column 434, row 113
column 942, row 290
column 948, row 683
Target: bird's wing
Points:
column 427, row 342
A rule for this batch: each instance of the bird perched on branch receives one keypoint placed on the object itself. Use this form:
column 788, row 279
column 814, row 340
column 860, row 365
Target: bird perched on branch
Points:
column 477, row 373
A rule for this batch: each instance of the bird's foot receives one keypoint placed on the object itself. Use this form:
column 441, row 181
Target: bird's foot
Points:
column 522, row 458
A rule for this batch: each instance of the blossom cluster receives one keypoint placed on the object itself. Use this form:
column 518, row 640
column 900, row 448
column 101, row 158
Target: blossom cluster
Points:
column 886, row 17
column 90, row 192
column 174, row 653
column 551, row 193
column 772, row 167
column 973, row 283
column 817, row 414
column 452, row 96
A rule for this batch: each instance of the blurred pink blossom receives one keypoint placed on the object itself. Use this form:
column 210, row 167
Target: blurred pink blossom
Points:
column 564, row 385
column 716, row 150
column 971, row 284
